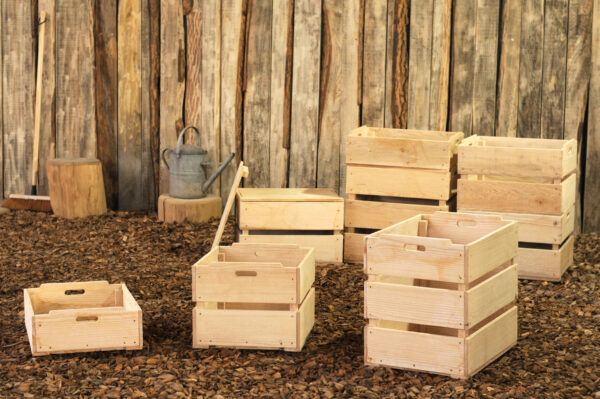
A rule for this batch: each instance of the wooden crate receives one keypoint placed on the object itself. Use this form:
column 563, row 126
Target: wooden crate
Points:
column 531, row 181
column 82, row 317
column 307, row 217
column 445, row 282
column 254, row 296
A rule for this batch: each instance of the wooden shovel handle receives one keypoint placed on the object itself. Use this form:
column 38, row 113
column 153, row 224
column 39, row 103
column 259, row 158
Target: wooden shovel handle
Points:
column 241, row 172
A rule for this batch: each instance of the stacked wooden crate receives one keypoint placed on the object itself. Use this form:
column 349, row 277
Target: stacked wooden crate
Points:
column 441, row 293
column 254, row 296
column 393, row 174
column 531, row 181
column 309, row 217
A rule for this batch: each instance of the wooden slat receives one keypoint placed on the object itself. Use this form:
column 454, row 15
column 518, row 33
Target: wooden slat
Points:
column 328, row 248
column 172, row 85
column 281, row 33
column 2, row 120
column 75, row 100
column 148, row 200
column 331, row 91
column 491, row 251
column 420, row 64
column 491, row 295
column 193, row 64
column 530, row 69
column 154, row 82
column 291, row 216
column 18, row 89
column 257, row 103
column 554, row 68
column 378, row 215
column 48, row 115
column 591, row 213
column 463, row 52
column 373, row 82
column 440, row 65
column 289, row 195
column 396, row 82
column 105, row 30
column 508, row 79
column 305, row 93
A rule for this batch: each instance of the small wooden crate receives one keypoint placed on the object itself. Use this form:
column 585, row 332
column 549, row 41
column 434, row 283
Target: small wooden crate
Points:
column 441, row 295
column 531, row 181
column 254, row 296
column 308, row 217
column 82, row 317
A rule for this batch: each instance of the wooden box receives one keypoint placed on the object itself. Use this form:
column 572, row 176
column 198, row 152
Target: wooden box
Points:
column 82, row 317
column 441, row 294
column 307, row 217
column 254, row 296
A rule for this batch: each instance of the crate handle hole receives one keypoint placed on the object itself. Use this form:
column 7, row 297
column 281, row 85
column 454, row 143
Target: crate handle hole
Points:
column 74, row 292
column 466, row 223
column 245, row 273
column 412, row 247
column 86, row 318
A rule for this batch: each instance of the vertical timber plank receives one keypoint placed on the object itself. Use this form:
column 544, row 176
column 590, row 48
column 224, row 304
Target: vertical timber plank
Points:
column 530, row 69
column 440, row 65
column 419, row 70
column 1, row 105
column 591, row 212
column 105, row 29
column 331, row 92
column 579, row 53
column 75, row 100
column 554, row 68
column 147, row 178
column 172, row 85
column 154, row 50
column 374, row 63
column 508, row 79
column 305, row 93
column 396, row 107
column 257, row 101
column 463, row 68
column 486, row 64
column 193, row 64
column 283, row 12
column 17, row 96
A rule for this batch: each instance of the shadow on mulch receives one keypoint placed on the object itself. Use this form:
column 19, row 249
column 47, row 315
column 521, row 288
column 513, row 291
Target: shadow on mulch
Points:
column 558, row 353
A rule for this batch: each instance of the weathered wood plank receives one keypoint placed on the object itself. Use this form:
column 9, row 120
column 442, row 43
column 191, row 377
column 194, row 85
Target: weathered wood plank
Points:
column 419, row 69
column 373, row 82
column 331, row 92
column 305, row 93
column 554, row 68
column 147, row 179
column 75, row 100
column 172, row 85
column 508, row 79
column 396, row 82
column 154, row 49
column 1, row 107
column 440, row 65
column 579, row 52
column 283, row 12
column 17, row 95
column 591, row 212
column 232, row 37
column 530, row 69
column 486, row 63
column 193, row 64
column 105, row 51
column 463, row 68
column 257, row 103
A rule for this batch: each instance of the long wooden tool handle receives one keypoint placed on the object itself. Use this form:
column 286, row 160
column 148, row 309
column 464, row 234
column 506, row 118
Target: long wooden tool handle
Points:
column 38, row 104
column 241, row 172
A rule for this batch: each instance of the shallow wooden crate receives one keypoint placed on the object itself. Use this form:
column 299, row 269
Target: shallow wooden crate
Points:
column 82, row 317
column 254, row 296
column 446, row 282
column 308, row 217
column 545, row 262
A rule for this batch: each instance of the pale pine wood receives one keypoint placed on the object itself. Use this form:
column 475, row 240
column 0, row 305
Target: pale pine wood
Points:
column 201, row 210
column 291, row 215
column 545, row 264
column 305, row 93
column 373, row 68
column 38, row 102
column 440, row 64
column 76, row 187
column 328, row 247
column 148, row 199
column 491, row 251
column 491, row 295
column 193, row 64
column 378, row 215
column 242, row 171
column 288, row 194
column 354, row 247
column 75, row 100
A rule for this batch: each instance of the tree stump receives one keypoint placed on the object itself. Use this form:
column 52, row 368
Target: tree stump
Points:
column 198, row 210
column 76, row 187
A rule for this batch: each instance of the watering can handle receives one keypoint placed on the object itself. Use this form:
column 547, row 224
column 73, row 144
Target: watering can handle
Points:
column 182, row 134
column 165, row 159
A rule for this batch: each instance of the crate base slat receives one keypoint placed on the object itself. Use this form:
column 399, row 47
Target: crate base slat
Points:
column 545, row 264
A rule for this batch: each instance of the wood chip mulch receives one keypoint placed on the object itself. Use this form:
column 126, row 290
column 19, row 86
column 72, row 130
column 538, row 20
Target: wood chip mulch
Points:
column 558, row 353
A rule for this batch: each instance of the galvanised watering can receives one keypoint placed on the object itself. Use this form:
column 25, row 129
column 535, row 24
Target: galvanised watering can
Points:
column 187, row 177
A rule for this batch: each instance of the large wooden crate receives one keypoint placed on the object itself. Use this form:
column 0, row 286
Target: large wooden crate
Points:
column 394, row 174
column 254, row 296
column 82, row 317
column 309, row 217
column 441, row 293
column 531, row 181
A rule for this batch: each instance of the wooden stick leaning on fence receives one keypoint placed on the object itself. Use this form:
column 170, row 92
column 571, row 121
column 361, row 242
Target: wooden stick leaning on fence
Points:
column 241, row 172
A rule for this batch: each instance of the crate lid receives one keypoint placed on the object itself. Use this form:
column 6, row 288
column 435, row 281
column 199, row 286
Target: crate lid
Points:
column 289, row 194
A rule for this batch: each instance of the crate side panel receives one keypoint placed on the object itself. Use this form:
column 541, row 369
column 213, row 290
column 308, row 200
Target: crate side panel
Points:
column 569, row 191
column 306, row 318
column 291, row 215
column 492, row 251
column 328, row 248
column 544, row 264
column 379, row 215
column 354, row 247
column 492, row 294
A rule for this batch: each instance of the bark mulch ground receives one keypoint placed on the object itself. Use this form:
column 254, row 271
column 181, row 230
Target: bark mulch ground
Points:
column 558, row 353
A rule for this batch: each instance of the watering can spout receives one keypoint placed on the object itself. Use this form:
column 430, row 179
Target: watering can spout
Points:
column 212, row 179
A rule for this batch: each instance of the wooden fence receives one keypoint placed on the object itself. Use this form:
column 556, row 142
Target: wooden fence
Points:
column 280, row 82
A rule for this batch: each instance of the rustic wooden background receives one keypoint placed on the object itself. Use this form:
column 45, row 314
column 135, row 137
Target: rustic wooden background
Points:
column 279, row 82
